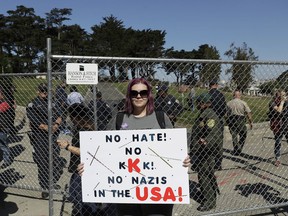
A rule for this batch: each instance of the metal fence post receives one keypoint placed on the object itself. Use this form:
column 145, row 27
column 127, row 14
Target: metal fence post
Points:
column 49, row 79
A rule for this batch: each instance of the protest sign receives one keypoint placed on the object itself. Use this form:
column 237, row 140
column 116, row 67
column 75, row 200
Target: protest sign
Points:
column 135, row 166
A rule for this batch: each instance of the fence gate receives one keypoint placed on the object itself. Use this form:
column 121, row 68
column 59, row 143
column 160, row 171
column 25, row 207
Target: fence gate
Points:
column 248, row 181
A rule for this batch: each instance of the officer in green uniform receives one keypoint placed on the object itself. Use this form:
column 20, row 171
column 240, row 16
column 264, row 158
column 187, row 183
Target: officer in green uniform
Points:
column 203, row 148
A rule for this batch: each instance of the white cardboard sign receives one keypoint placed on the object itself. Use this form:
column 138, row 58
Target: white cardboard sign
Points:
column 135, row 166
column 82, row 73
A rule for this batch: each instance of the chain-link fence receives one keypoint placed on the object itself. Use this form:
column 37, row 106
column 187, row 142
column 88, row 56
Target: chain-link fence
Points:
column 252, row 163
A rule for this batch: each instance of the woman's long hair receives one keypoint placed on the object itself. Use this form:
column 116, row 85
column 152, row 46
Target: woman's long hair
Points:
column 128, row 104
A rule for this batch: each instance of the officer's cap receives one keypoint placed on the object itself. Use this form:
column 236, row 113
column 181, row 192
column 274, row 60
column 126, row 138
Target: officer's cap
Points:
column 42, row 88
column 98, row 94
column 204, row 98
column 213, row 82
column 163, row 88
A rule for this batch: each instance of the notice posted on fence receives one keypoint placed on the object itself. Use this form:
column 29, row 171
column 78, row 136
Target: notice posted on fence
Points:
column 135, row 166
column 81, row 73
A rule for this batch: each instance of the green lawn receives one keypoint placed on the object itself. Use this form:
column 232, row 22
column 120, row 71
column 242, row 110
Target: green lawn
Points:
column 258, row 105
column 27, row 89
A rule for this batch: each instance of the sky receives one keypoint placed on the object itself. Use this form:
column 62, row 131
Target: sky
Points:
column 261, row 24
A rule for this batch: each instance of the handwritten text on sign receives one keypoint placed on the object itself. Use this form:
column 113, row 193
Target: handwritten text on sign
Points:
column 134, row 166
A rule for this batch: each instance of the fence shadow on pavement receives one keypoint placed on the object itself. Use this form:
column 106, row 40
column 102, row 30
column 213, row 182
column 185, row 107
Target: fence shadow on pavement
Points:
column 10, row 177
column 270, row 194
column 16, row 150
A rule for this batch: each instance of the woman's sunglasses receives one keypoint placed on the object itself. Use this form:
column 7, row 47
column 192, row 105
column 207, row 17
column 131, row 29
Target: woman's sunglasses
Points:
column 143, row 93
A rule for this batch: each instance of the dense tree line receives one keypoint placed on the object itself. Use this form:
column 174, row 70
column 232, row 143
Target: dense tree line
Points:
column 280, row 83
column 23, row 47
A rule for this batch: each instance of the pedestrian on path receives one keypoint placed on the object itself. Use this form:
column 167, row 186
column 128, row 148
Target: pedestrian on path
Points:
column 238, row 111
column 278, row 115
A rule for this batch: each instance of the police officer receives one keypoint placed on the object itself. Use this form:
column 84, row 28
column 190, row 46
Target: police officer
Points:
column 37, row 112
column 104, row 112
column 203, row 148
column 218, row 104
column 238, row 112
column 61, row 103
column 168, row 103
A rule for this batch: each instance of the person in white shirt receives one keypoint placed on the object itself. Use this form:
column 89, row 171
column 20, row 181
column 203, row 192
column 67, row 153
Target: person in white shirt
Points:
column 74, row 96
column 238, row 109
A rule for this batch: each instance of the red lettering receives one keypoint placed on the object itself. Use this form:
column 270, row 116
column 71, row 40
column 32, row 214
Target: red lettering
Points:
column 144, row 197
column 133, row 165
column 156, row 192
column 169, row 194
column 180, row 194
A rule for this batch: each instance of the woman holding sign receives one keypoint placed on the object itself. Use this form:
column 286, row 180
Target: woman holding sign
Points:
column 139, row 114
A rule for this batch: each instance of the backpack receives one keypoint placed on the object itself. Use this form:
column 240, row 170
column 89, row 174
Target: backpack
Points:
column 159, row 116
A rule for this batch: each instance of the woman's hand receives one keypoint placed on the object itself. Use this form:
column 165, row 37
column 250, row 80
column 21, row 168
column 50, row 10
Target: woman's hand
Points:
column 80, row 169
column 186, row 162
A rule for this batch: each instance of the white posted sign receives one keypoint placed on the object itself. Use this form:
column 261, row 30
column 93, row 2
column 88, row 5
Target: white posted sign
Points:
column 135, row 166
column 82, row 73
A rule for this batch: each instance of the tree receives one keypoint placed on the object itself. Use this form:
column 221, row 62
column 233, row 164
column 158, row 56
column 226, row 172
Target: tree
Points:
column 208, row 71
column 268, row 88
column 145, row 43
column 190, row 80
column 179, row 69
column 190, row 71
column 242, row 73
column 22, row 39
column 282, row 81
column 74, row 40
column 107, row 39
column 55, row 19
column 4, row 60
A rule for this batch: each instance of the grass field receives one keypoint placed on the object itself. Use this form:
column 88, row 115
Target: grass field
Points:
column 258, row 105
column 27, row 90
